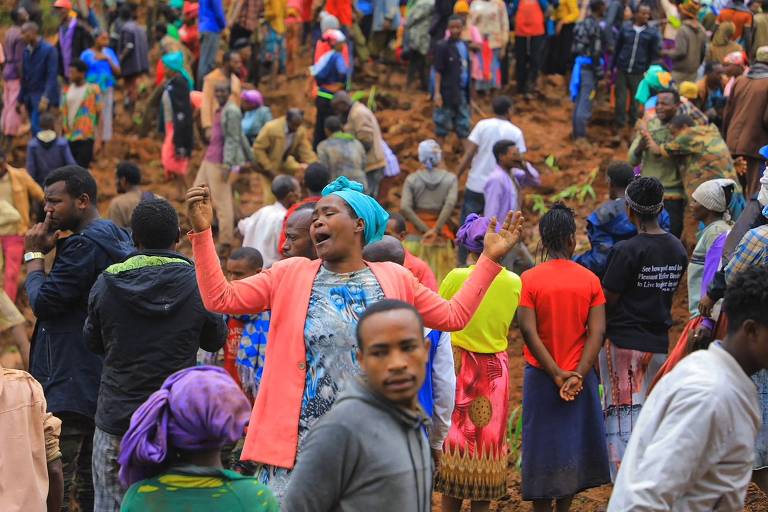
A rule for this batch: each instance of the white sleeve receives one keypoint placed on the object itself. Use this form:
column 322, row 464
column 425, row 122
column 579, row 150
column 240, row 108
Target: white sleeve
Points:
column 474, row 136
column 443, row 390
column 521, row 142
column 666, row 456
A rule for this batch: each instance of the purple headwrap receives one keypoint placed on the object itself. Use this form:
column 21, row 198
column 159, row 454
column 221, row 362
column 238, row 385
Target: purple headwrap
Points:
column 472, row 233
column 198, row 408
column 252, row 97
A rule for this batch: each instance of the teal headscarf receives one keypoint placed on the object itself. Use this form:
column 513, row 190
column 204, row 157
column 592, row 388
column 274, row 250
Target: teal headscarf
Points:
column 176, row 4
column 366, row 207
column 175, row 62
column 655, row 79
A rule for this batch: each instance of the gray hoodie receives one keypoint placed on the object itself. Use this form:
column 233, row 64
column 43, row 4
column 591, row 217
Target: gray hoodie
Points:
column 366, row 454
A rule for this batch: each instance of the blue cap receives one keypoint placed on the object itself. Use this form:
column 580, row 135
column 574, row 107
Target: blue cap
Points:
column 764, row 152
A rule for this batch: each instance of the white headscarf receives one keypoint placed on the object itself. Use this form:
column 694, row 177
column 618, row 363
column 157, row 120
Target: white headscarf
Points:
column 430, row 153
column 711, row 194
column 762, row 197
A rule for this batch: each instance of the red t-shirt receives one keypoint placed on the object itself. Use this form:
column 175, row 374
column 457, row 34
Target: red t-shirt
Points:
column 529, row 20
column 561, row 293
column 342, row 9
column 421, row 270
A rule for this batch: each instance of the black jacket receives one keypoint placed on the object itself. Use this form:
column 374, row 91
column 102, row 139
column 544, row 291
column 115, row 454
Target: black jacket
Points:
column 68, row 371
column 448, row 63
column 636, row 51
column 81, row 41
column 147, row 318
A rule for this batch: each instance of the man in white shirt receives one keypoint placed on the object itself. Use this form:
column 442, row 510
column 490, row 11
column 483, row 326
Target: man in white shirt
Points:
column 693, row 446
column 479, row 151
column 262, row 229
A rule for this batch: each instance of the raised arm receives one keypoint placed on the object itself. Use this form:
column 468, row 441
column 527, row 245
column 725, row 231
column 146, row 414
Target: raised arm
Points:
column 455, row 314
column 250, row 295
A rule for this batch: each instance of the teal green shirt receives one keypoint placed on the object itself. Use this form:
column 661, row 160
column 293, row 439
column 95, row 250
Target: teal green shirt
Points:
column 194, row 488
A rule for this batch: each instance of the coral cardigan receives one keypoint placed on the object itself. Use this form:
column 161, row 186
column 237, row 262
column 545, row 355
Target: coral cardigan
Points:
column 285, row 289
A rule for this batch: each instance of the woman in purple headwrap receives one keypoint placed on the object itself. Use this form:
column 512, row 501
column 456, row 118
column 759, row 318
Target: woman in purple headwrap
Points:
column 170, row 454
column 474, row 459
column 255, row 113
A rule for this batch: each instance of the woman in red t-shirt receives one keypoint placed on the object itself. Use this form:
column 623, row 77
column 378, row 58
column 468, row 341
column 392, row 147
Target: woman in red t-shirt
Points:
column 562, row 319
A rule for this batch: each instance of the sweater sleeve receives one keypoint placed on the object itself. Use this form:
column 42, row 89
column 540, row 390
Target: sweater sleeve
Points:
column 250, row 295
column 455, row 314
column 332, row 449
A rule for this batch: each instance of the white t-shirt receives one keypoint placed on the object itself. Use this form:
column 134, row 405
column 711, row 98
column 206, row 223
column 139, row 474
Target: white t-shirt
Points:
column 485, row 134
column 262, row 231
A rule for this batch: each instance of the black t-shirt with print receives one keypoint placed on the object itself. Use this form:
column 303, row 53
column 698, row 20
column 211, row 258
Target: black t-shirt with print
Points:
column 645, row 271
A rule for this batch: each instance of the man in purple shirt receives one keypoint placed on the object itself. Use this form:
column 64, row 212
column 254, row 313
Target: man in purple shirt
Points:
column 214, row 174
column 503, row 194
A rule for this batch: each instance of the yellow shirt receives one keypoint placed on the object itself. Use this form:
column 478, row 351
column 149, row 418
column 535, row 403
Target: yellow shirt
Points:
column 487, row 332
column 567, row 11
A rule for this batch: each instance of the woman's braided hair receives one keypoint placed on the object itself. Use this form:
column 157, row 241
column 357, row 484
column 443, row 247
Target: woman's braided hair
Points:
column 645, row 196
column 556, row 228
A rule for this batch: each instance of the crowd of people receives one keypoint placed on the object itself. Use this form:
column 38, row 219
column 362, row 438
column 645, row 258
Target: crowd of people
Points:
column 334, row 351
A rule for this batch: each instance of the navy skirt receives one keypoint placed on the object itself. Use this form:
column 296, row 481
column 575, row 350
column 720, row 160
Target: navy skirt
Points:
column 563, row 444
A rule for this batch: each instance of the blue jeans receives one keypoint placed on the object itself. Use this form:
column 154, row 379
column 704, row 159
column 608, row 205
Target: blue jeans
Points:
column 209, row 47
column 582, row 112
column 474, row 202
column 32, row 106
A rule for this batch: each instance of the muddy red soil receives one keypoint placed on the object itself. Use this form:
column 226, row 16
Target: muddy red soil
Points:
column 405, row 118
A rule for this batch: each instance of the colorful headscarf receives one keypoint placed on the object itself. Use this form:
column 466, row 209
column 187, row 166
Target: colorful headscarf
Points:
column 191, row 10
column 175, row 62
column 655, row 79
column 689, row 8
column 461, row 7
column 430, row 153
column 739, row 58
column 472, row 233
column 173, row 32
column 366, row 207
column 198, row 408
column 252, row 97
column 689, row 90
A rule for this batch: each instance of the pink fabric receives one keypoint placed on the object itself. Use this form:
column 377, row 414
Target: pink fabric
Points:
column 10, row 119
column 421, row 270
column 285, row 289
column 482, row 378
column 171, row 163
column 13, row 253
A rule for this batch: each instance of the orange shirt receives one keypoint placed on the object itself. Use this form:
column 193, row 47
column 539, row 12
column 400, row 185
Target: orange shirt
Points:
column 561, row 292
column 739, row 18
column 421, row 270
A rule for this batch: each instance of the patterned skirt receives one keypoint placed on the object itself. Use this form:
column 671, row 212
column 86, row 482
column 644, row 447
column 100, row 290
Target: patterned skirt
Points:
column 563, row 442
column 474, row 462
column 627, row 376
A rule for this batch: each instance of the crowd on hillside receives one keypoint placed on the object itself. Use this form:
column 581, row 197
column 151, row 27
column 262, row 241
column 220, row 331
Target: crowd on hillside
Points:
column 327, row 354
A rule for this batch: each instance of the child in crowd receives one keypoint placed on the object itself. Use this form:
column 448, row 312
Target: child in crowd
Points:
column 81, row 115
column 393, row 354
column 562, row 320
column 640, row 280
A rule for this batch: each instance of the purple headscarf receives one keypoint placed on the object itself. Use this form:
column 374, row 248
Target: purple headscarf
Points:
column 472, row 233
column 252, row 97
column 198, row 408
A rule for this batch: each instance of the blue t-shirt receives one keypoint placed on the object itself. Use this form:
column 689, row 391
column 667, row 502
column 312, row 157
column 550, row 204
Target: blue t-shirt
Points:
column 99, row 71
column 464, row 52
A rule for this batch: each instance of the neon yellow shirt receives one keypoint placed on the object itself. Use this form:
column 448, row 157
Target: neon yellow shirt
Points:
column 487, row 332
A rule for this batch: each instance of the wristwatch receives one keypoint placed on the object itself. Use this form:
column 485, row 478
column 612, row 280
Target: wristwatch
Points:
column 33, row 255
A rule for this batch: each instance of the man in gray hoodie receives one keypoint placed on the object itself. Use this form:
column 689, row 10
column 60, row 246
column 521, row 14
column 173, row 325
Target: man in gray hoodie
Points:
column 370, row 452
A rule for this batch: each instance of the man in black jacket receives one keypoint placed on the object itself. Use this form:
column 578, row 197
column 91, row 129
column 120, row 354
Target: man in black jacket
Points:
column 59, row 358
column 147, row 318
column 638, row 45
